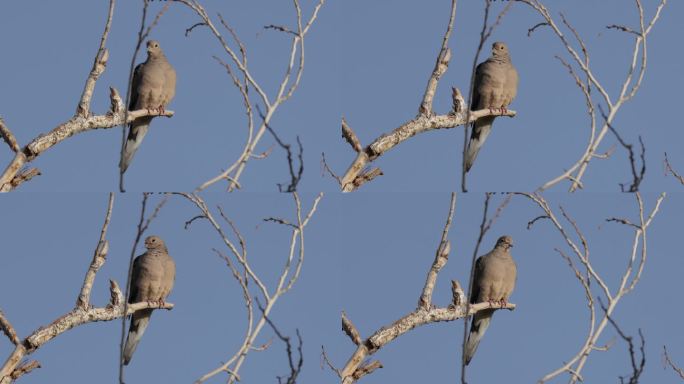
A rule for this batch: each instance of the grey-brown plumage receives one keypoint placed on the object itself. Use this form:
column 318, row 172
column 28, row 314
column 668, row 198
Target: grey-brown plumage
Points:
column 153, row 87
column 154, row 273
column 495, row 86
column 494, row 280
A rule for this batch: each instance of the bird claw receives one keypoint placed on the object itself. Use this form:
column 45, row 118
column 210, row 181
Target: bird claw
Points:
column 503, row 303
column 161, row 110
column 504, row 110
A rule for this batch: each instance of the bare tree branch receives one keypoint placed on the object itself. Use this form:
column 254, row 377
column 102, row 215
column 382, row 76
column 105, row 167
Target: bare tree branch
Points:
column 8, row 137
column 99, row 258
column 612, row 296
column 251, row 283
column 637, row 367
column 73, row 126
column 679, row 371
column 295, row 367
column 668, row 168
column 441, row 66
column 295, row 176
column 238, row 64
column 8, row 330
column 99, row 65
column 637, row 176
column 417, row 318
column 441, row 258
column 580, row 58
column 352, row 179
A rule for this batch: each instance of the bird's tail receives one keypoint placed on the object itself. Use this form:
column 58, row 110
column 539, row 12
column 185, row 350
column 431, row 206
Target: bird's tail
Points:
column 135, row 332
column 481, row 129
column 136, row 134
column 477, row 329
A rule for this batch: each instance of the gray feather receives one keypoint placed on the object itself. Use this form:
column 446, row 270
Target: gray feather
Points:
column 481, row 129
column 138, row 325
column 478, row 327
column 136, row 134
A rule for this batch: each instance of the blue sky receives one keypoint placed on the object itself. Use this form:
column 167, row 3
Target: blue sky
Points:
column 366, row 253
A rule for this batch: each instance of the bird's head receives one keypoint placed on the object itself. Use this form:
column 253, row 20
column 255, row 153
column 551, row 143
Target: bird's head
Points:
column 154, row 242
column 505, row 242
column 499, row 49
column 153, row 48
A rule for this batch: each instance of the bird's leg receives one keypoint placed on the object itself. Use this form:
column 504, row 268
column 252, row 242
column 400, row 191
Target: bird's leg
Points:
column 492, row 110
column 503, row 303
column 491, row 303
column 161, row 109
column 504, row 110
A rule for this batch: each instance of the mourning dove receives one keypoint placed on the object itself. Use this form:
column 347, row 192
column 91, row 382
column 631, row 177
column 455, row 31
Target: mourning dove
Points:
column 494, row 280
column 496, row 83
column 153, row 276
column 153, row 87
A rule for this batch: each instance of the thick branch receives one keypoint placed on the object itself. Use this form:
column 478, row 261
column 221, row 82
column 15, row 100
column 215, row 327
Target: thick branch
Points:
column 77, row 316
column 99, row 65
column 75, row 125
column 441, row 258
column 8, row 137
column 441, row 66
column 7, row 329
column 350, row 181
column 99, row 258
column 351, row 331
column 78, row 125
column 415, row 319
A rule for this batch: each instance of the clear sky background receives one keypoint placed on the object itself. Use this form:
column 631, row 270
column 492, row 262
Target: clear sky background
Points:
column 366, row 61
column 366, row 253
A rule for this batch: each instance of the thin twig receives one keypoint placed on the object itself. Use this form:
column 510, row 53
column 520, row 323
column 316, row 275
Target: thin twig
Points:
column 669, row 168
column 679, row 371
